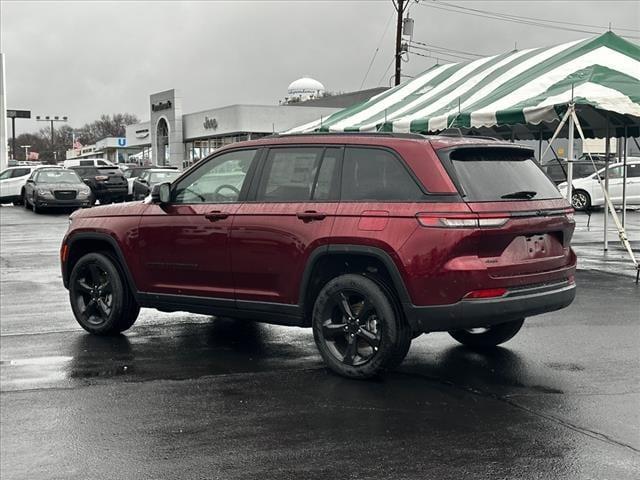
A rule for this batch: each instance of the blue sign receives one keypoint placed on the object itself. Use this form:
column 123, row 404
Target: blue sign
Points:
column 122, row 142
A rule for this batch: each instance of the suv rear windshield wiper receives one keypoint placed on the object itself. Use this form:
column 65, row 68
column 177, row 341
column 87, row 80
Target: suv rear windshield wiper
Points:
column 526, row 194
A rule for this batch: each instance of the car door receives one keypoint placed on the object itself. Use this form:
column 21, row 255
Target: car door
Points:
column 183, row 245
column 5, row 185
column 633, row 184
column 290, row 213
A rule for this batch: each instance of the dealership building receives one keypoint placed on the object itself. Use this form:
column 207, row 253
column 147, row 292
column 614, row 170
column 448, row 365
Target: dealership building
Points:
column 171, row 137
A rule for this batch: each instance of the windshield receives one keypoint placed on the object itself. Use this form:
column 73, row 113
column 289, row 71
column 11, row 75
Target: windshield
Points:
column 490, row 174
column 58, row 176
column 160, row 177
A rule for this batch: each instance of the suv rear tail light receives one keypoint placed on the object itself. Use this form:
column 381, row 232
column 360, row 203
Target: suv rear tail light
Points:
column 101, row 178
column 486, row 293
column 466, row 220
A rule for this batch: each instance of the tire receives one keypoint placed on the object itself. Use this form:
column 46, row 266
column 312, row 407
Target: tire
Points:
column 34, row 206
column 25, row 202
column 490, row 336
column 580, row 200
column 101, row 300
column 358, row 328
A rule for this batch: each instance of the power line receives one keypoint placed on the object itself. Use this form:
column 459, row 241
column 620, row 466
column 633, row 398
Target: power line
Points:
column 453, row 53
column 520, row 20
column 393, row 59
column 434, row 50
column 434, row 57
column 431, row 45
column 375, row 53
column 545, row 20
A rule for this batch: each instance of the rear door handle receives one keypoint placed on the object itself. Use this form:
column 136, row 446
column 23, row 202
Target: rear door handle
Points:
column 215, row 216
column 310, row 215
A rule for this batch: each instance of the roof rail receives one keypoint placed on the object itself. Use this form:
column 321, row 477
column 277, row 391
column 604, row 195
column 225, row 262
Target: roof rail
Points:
column 368, row 134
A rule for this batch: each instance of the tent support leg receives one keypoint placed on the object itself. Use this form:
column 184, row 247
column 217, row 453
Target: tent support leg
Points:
column 621, row 232
column 607, row 154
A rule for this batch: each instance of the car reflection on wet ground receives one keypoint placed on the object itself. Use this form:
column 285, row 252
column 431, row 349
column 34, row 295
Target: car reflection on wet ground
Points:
column 189, row 396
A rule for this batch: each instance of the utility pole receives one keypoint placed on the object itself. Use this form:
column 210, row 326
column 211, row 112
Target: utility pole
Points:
column 400, row 6
column 52, row 119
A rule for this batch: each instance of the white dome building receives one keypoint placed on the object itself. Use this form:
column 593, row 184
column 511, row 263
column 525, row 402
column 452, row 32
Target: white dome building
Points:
column 304, row 88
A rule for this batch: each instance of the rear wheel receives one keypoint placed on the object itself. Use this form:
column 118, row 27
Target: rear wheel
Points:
column 100, row 298
column 357, row 328
column 487, row 337
column 580, row 200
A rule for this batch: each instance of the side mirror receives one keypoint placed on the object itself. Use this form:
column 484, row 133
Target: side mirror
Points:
column 161, row 193
column 142, row 180
column 30, row 180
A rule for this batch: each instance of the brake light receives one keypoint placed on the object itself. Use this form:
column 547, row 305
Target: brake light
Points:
column 465, row 220
column 64, row 253
column 101, row 178
column 486, row 293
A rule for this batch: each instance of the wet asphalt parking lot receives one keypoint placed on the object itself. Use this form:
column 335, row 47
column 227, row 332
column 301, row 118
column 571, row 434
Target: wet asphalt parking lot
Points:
column 190, row 396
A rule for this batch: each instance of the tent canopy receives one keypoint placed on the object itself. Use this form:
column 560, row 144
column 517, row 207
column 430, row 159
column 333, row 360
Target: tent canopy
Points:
column 521, row 94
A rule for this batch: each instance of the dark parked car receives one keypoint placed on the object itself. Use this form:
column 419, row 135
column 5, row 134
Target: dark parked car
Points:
column 143, row 184
column 55, row 187
column 107, row 183
column 370, row 239
column 556, row 169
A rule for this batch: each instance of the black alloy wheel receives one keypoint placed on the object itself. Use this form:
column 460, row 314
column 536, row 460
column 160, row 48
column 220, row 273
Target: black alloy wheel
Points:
column 351, row 331
column 100, row 298
column 357, row 327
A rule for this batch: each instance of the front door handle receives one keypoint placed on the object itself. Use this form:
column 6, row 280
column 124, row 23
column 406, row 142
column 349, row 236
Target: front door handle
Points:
column 310, row 216
column 216, row 215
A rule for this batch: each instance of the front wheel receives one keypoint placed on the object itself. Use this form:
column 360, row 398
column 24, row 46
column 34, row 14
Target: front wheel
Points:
column 487, row 337
column 100, row 298
column 357, row 327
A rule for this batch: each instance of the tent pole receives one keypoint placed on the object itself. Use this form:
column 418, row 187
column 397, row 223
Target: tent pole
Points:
column 570, row 156
column 607, row 154
column 624, row 179
column 540, row 145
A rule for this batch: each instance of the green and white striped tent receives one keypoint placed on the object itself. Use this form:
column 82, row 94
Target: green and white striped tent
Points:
column 520, row 95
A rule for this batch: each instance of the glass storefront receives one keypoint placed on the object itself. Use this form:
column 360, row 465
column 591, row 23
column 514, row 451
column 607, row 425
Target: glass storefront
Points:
column 196, row 150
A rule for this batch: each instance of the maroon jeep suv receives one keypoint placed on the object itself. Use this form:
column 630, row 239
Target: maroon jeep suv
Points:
column 370, row 239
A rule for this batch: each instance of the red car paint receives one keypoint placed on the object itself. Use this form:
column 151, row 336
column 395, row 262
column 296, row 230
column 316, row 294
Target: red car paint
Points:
column 260, row 253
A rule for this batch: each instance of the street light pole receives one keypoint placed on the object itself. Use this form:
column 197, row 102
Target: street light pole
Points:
column 400, row 9
column 51, row 119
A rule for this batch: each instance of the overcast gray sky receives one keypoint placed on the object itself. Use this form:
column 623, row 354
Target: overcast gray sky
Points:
column 83, row 59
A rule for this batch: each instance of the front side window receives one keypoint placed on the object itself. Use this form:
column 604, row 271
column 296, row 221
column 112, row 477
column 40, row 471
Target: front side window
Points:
column 375, row 174
column 5, row 174
column 219, row 180
column 20, row 172
column 289, row 174
column 161, row 177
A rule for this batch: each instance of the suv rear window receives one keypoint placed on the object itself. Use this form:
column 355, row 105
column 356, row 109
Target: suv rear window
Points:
column 490, row 174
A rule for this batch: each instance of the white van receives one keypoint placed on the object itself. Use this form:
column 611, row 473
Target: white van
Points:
column 87, row 162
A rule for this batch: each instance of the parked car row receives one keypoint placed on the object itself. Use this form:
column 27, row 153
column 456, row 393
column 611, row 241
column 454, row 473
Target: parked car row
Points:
column 106, row 183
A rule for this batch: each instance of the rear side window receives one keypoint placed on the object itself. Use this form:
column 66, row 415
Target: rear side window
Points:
column 633, row 170
column 375, row 174
column 490, row 174
column 289, row 174
column 86, row 163
column 21, row 172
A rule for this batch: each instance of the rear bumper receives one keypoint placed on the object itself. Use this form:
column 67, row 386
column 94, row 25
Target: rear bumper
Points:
column 516, row 303
column 119, row 191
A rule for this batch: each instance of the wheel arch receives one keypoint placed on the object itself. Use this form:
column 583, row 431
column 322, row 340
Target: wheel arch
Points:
column 329, row 261
column 83, row 243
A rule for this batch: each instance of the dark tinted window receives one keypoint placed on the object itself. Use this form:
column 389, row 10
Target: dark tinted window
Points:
column 374, row 174
column 85, row 171
column 20, row 172
column 487, row 174
column 633, row 170
column 86, row 163
column 289, row 174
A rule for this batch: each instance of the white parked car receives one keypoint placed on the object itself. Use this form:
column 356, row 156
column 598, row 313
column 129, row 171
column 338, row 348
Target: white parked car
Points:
column 87, row 162
column 12, row 181
column 587, row 192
